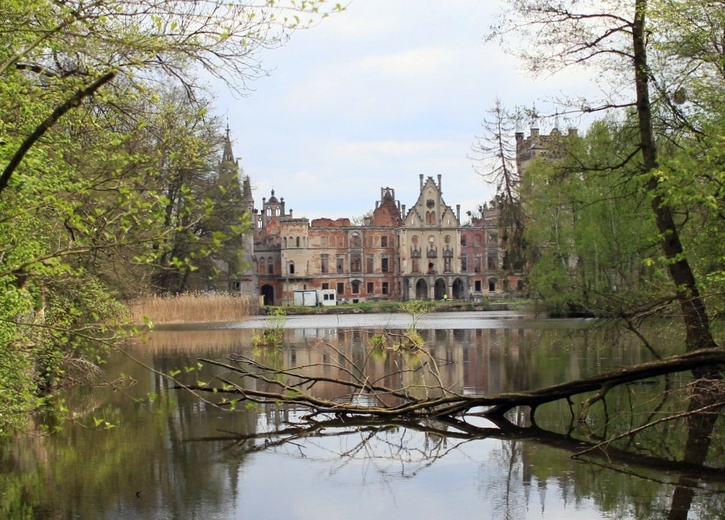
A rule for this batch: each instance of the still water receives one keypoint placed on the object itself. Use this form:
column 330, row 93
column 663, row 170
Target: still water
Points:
column 172, row 455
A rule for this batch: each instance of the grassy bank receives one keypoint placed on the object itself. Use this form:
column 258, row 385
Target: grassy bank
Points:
column 189, row 308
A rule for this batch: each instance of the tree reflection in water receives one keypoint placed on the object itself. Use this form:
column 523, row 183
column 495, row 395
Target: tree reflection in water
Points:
column 511, row 462
column 382, row 391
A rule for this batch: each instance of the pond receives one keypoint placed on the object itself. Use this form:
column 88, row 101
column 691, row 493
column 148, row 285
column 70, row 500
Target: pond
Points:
column 167, row 454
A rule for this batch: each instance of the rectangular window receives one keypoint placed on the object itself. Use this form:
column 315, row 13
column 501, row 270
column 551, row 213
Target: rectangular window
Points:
column 385, row 289
column 340, row 264
column 371, row 287
column 492, row 263
column 324, row 241
column 384, row 241
column 341, row 288
column 325, row 286
column 355, row 263
column 447, row 264
column 370, row 264
column 385, row 264
column 477, row 263
column 463, row 240
column 464, row 262
column 324, row 264
column 416, row 265
column 478, row 285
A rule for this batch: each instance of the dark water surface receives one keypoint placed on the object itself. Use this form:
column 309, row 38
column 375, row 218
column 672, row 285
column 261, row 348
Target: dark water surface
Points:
column 175, row 456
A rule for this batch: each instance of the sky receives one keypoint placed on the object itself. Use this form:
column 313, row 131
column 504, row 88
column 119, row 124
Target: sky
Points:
column 373, row 97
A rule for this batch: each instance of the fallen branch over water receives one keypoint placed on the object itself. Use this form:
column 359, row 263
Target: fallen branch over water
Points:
column 363, row 397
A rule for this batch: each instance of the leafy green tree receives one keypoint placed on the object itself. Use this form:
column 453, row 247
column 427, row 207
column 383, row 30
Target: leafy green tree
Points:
column 95, row 192
column 590, row 231
column 643, row 42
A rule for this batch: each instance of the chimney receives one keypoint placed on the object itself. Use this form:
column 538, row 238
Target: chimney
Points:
column 440, row 183
column 421, row 183
column 458, row 212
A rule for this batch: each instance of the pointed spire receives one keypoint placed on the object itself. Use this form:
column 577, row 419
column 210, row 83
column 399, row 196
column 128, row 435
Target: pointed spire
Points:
column 228, row 153
column 247, row 190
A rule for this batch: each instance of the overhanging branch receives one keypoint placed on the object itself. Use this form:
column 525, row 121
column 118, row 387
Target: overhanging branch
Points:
column 72, row 102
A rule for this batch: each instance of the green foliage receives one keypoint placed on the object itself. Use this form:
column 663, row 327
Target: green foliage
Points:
column 416, row 308
column 116, row 193
column 272, row 334
column 591, row 230
column 662, row 62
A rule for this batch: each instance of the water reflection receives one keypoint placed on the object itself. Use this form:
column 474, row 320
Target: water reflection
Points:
column 178, row 456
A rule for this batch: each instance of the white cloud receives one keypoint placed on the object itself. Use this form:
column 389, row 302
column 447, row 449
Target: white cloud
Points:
column 374, row 97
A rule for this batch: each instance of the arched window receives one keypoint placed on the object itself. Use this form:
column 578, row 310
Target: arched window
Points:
column 262, row 265
column 355, row 240
column 297, row 242
column 291, row 267
column 285, row 241
column 270, row 265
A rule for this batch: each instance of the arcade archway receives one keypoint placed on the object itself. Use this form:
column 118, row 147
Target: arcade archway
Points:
column 268, row 292
column 421, row 290
column 440, row 289
column 458, row 289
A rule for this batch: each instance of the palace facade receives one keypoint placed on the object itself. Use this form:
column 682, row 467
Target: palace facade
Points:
column 424, row 251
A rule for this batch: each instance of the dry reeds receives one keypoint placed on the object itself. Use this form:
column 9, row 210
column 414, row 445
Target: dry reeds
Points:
column 190, row 308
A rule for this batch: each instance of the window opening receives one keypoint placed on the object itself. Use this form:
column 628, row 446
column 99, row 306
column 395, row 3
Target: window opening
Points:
column 324, row 264
column 355, row 263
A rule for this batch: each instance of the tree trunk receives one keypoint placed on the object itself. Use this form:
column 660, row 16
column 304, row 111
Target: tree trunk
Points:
column 697, row 323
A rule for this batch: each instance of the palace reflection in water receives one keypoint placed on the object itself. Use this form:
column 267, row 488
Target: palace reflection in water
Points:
column 173, row 457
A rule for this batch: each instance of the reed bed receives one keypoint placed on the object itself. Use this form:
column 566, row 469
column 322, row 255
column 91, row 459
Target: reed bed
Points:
column 190, row 308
